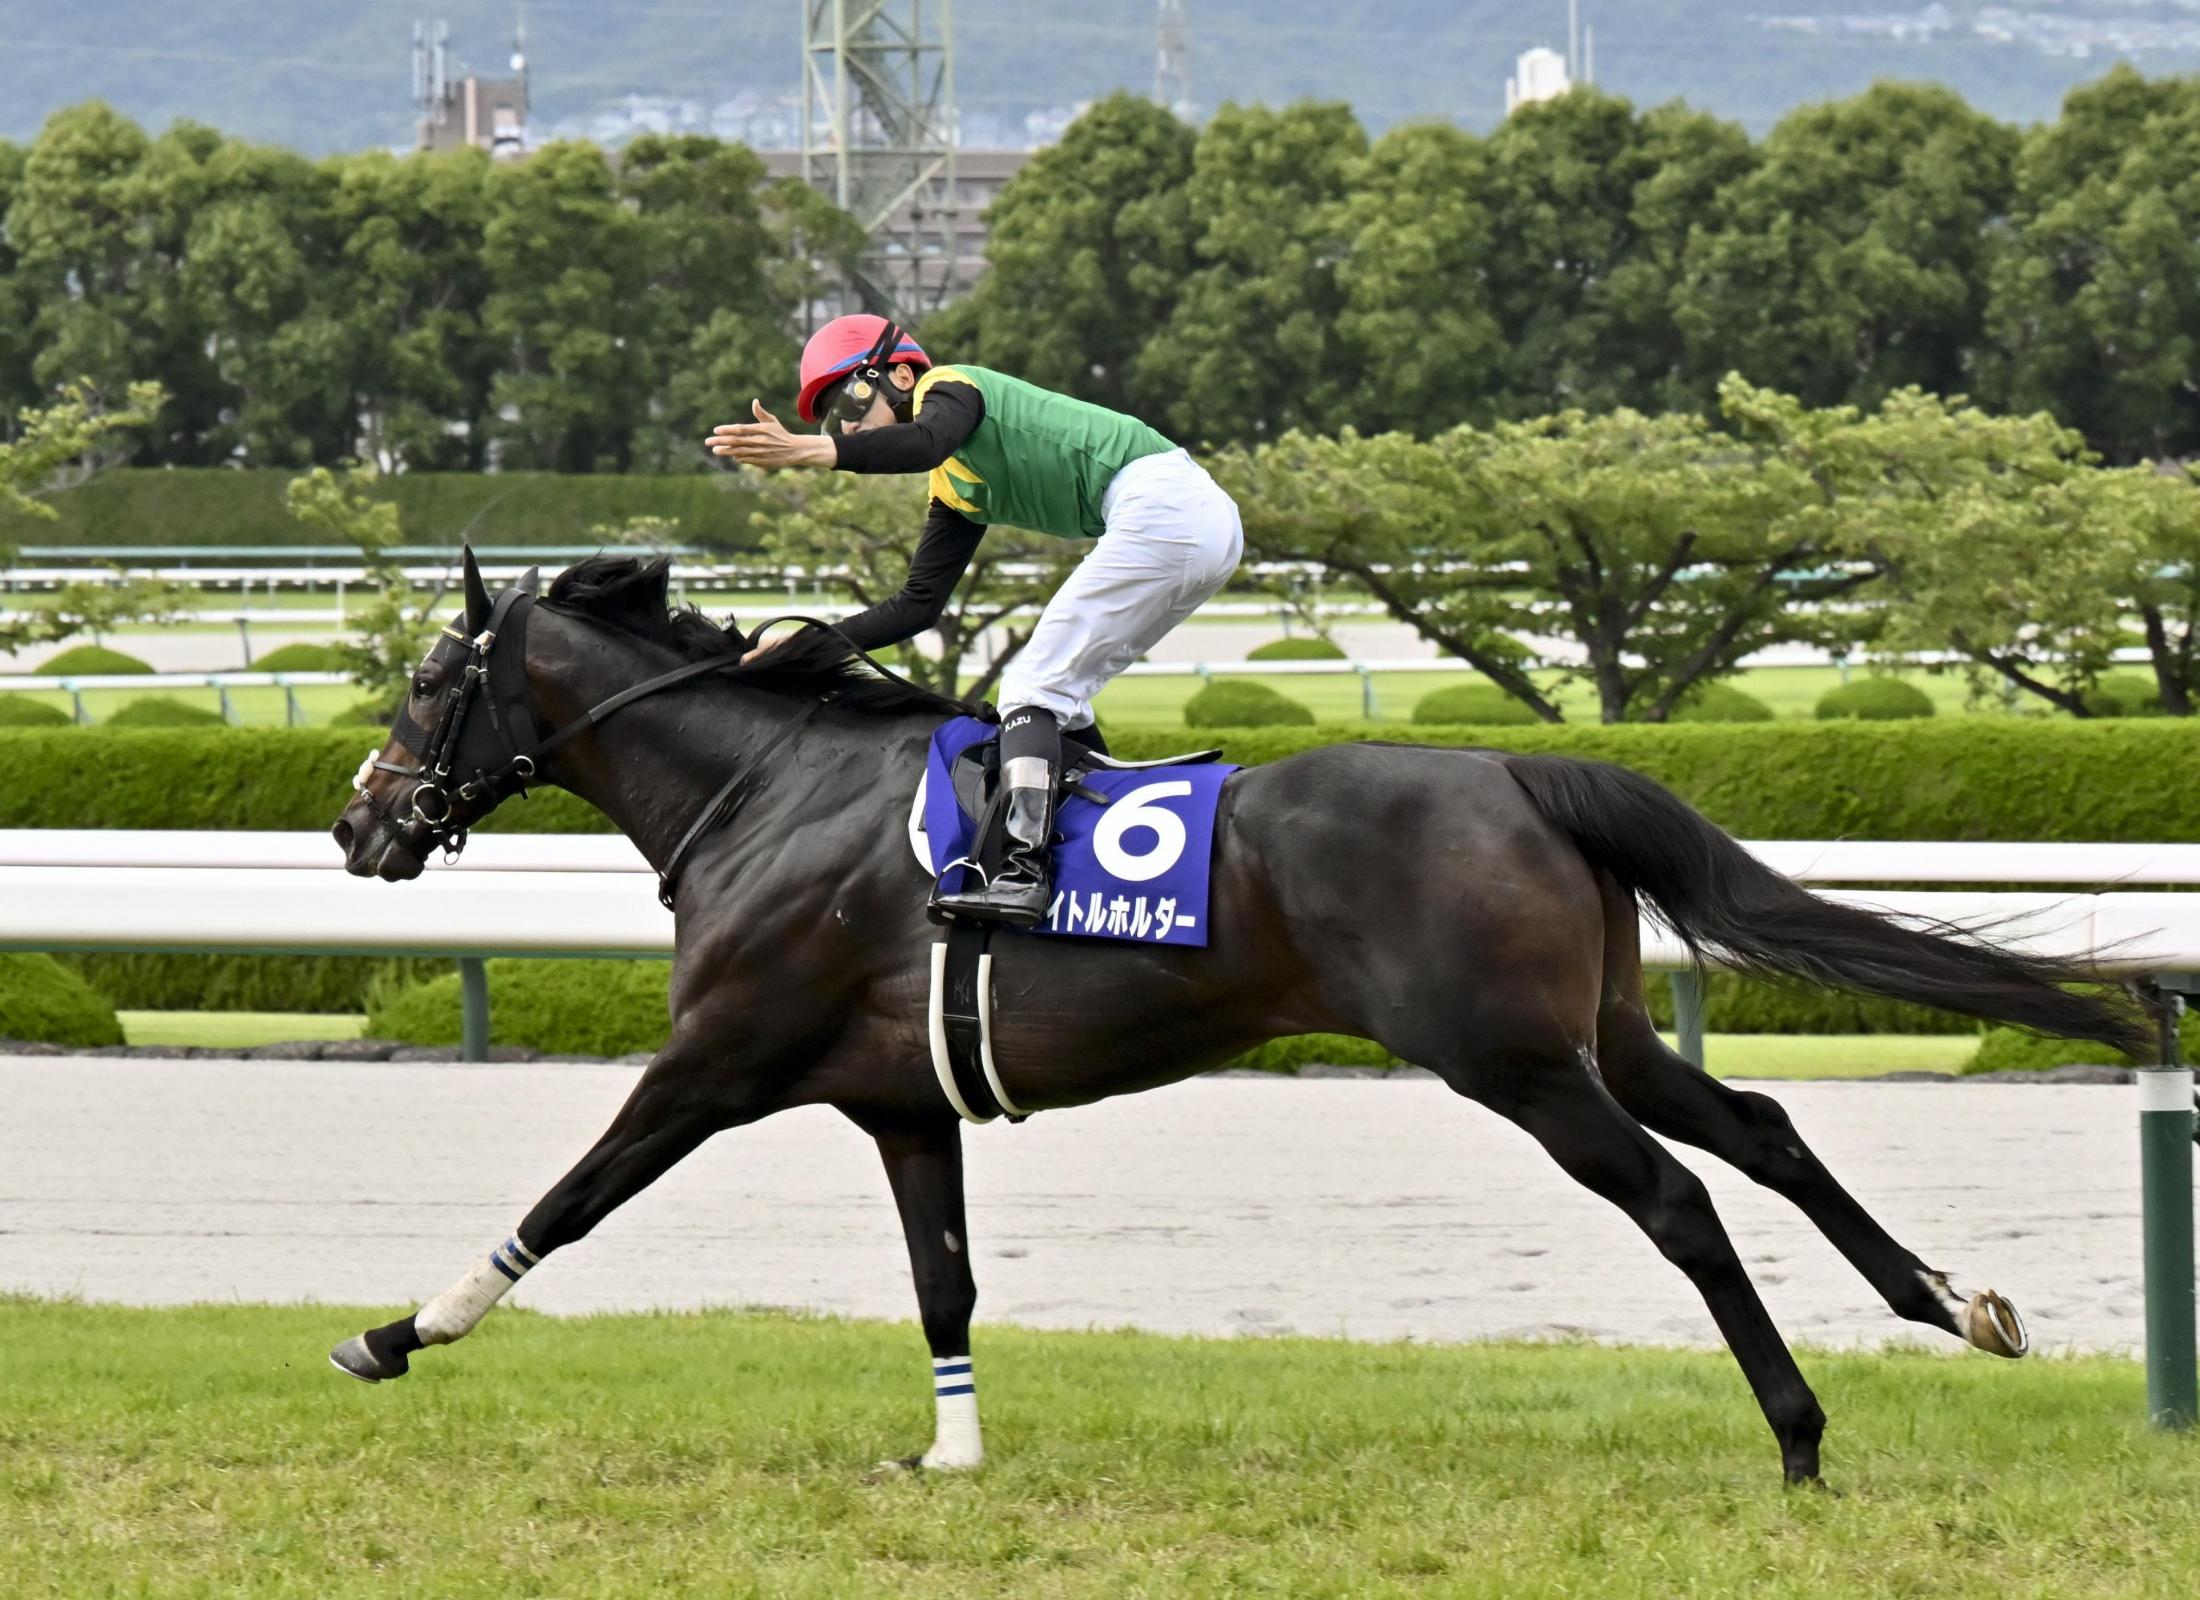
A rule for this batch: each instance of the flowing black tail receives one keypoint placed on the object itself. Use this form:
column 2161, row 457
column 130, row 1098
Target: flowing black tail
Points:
column 1726, row 904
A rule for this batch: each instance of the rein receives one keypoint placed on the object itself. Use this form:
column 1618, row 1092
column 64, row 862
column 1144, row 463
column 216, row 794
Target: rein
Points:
column 501, row 684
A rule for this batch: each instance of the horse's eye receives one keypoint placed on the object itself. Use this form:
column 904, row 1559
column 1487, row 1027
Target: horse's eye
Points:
column 422, row 688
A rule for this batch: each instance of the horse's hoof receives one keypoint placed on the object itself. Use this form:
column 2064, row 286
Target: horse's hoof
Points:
column 1991, row 1323
column 356, row 1360
column 888, row 1471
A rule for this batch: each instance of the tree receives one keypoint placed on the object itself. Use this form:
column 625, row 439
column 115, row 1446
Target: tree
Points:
column 1661, row 550
column 1999, row 538
column 256, row 270
column 58, row 447
column 408, row 283
column 1417, row 303
column 1852, row 261
column 390, row 635
column 1592, row 208
column 1087, row 249
column 1254, row 345
column 858, row 531
column 564, row 263
column 2095, row 309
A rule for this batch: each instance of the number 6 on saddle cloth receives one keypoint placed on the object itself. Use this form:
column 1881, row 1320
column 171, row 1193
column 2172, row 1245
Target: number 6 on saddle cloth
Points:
column 1135, row 839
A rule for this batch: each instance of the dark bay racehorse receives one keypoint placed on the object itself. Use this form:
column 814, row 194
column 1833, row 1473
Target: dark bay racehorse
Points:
column 1473, row 911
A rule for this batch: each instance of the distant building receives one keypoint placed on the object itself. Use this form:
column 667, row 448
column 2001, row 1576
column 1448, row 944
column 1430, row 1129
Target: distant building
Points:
column 980, row 176
column 486, row 113
column 1540, row 74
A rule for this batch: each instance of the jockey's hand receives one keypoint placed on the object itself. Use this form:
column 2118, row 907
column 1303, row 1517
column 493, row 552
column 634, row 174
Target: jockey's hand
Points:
column 768, row 644
column 766, row 443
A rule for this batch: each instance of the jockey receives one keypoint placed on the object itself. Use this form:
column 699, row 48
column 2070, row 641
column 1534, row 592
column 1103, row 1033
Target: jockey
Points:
column 1163, row 535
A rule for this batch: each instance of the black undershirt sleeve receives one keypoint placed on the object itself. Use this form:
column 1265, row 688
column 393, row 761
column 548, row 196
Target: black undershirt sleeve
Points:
column 942, row 556
column 951, row 411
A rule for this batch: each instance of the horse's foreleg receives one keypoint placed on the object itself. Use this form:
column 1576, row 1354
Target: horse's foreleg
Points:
column 1752, row 1133
column 661, row 1121
column 925, row 1169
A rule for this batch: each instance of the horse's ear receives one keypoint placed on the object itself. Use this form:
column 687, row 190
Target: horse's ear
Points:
column 478, row 605
column 530, row 581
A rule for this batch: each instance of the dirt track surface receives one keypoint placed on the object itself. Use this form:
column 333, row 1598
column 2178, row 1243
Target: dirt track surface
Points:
column 1367, row 1208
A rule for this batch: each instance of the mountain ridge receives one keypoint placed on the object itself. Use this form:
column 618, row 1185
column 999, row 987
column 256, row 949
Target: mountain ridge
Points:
column 283, row 71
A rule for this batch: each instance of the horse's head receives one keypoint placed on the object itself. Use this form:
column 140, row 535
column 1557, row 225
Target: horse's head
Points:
column 457, row 747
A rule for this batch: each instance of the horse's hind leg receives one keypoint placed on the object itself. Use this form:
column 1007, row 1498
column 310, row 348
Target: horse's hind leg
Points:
column 1553, row 1093
column 1750, row 1132
column 662, row 1120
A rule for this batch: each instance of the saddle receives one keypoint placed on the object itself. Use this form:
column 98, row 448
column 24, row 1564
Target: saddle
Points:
column 977, row 776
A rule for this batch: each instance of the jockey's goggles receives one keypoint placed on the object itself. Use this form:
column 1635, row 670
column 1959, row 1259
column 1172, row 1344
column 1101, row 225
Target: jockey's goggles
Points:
column 866, row 380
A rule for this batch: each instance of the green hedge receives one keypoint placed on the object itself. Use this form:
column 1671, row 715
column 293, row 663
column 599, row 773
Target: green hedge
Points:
column 2006, row 1050
column 43, row 1001
column 219, row 506
column 591, row 1008
column 177, row 982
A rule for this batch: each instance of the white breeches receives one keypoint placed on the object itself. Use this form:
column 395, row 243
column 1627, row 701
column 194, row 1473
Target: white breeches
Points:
column 1173, row 538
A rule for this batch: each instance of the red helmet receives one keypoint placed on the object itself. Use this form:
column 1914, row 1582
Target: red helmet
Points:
column 846, row 343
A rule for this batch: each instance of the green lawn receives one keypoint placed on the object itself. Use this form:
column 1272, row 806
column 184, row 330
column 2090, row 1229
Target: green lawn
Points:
column 210, row 1451
column 1729, row 1055
column 236, row 1030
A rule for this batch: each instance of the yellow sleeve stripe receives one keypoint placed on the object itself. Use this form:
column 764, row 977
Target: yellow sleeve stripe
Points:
column 937, row 375
column 944, row 486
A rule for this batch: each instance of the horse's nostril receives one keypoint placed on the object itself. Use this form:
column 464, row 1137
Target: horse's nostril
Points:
column 341, row 833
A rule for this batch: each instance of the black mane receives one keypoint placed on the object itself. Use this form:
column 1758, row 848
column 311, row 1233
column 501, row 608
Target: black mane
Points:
column 631, row 594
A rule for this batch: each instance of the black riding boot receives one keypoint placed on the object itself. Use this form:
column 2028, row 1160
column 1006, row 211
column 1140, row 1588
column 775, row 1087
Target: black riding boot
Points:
column 1031, row 769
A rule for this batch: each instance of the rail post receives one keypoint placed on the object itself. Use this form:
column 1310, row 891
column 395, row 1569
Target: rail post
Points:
column 1368, row 707
column 1688, row 1013
column 473, row 989
column 244, row 631
column 2165, row 1189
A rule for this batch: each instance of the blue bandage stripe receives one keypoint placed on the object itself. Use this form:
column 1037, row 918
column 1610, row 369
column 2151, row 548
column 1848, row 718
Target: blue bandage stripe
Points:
column 497, row 1261
column 946, row 1389
column 945, row 1369
column 519, row 1253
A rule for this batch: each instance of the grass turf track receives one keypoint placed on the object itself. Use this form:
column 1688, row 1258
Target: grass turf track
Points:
column 211, row 1451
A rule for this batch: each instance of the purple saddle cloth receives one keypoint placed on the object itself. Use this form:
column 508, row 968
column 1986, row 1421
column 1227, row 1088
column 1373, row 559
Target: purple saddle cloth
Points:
column 1135, row 868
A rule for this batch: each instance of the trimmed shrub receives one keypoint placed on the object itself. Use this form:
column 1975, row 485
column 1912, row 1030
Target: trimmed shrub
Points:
column 593, row 1008
column 2125, row 694
column 43, row 1001
column 225, row 506
column 174, row 981
column 1297, row 1050
column 1735, row 1004
column 1295, row 650
column 1473, row 705
column 300, row 656
column 164, row 711
column 1874, row 700
column 89, row 661
column 21, row 711
column 1238, row 703
column 2007, row 1050
column 1721, row 702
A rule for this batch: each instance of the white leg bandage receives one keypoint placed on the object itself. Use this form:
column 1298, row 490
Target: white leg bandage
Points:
column 453, row 1313
column 955, row 1442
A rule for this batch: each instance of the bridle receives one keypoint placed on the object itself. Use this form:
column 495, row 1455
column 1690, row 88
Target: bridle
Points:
column 464, row 762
